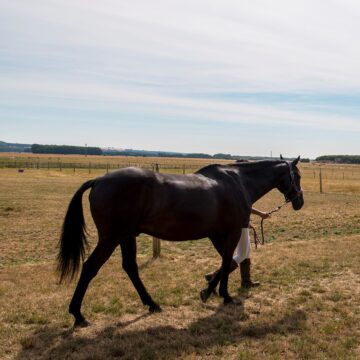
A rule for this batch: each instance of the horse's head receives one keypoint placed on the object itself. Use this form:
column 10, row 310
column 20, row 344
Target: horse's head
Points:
column 290, row 185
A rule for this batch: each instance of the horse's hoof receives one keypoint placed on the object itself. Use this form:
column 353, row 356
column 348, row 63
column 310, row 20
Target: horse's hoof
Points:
column 228, row 300
column 204, row 295
column 155, row 308
column 81, row 323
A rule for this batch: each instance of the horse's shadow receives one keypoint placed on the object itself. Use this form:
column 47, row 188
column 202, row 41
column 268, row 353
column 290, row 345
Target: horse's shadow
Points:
column 226, row 326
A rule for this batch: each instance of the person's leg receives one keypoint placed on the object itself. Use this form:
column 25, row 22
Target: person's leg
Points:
column 244, row 260
column 242, row 251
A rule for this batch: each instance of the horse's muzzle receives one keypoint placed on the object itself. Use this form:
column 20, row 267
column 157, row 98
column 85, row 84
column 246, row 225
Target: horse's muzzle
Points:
column 298, row 202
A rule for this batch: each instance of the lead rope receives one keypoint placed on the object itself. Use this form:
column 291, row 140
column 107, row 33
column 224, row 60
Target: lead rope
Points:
column 256, row 237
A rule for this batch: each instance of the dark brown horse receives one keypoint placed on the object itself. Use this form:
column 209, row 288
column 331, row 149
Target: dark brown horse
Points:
column 215, row 202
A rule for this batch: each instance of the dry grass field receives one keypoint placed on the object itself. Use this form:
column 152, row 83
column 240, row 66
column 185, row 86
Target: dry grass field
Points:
column 308, row 305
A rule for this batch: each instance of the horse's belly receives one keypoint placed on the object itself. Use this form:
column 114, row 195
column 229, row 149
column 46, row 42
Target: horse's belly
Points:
column 181, row 214
column 179, row 226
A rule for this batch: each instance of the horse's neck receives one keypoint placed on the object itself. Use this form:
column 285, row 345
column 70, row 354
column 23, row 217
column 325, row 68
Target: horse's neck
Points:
column 257, row 186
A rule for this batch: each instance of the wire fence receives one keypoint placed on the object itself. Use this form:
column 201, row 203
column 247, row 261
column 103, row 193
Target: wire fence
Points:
column 92, row 166
column 322, row 177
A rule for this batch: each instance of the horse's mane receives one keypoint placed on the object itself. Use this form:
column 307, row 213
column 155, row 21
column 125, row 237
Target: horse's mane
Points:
column 241, row 164
column 256, row 163
column 261, row 163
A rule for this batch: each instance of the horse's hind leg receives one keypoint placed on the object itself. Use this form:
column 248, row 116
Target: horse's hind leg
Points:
column 91, row 266
column 128, row 249
column 205, row 293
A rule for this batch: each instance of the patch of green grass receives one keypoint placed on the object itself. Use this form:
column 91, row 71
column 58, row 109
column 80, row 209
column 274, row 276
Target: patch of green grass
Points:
column 26, row 318
column 317, row 288
column 305, row 293
column 350, row 343
column 244, row 355
column 115, row 309
column 334, row 296
column 330, row 328
column 98, row 308
column 36, row 319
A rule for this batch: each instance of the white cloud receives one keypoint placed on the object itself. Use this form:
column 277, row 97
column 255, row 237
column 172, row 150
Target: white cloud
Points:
column 238, row 45
column 181, row 107
column 153, row 55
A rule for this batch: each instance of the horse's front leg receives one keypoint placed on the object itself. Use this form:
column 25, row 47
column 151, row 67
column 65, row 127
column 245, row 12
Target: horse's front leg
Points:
column 223, row 289
column 221, row 245
column 227, row 255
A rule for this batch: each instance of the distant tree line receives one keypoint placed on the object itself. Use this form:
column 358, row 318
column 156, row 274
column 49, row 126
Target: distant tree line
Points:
column 65, row 149
column 149, row 153
column 343, row 159
column 145, row 153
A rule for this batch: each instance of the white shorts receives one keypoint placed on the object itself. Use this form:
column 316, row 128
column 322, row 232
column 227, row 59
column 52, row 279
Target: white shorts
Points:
column 242, row 250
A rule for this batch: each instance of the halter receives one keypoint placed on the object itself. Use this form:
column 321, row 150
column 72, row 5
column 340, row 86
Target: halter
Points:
column 293, row 186
column 299, row 192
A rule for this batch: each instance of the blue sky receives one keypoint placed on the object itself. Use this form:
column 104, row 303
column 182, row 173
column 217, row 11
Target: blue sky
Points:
column 239, row 77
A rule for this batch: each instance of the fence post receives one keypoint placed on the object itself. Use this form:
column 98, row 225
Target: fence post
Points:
column 156, row 241
column 89, row 167
column 321, row 184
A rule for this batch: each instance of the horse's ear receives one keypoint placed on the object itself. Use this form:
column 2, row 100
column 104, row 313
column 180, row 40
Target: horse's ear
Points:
column 281, row 158
column 296, row 160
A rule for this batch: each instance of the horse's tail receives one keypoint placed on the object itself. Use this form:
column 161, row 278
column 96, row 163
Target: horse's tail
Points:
column 73, row 242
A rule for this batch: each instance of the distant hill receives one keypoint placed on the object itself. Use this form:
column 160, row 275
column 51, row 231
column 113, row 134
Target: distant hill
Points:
column 14, row 147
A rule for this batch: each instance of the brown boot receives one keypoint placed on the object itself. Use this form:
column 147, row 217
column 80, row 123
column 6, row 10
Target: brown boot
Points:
column 210, row 276
column 245, row 275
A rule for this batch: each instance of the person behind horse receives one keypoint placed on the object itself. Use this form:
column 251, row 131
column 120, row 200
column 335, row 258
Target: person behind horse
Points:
column 242, row 256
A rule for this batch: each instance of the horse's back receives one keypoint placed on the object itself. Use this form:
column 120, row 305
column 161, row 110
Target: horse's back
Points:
column 124, row 180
